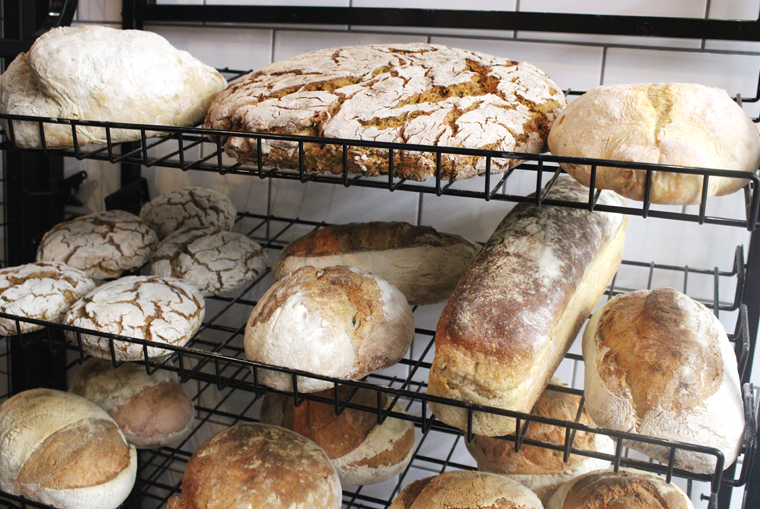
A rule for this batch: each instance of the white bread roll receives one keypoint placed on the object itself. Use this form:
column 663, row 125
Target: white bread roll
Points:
column 362, row 451
column 339, row 321
column 519, row 306
column 151, row 410
column 659, row 363
column 59, row 449
column 539, row 469
column 681, row 124
column 189, row 208
column 258, row 465
column 629, row 489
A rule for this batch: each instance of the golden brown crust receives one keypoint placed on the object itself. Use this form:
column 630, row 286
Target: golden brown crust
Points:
column 624, row 490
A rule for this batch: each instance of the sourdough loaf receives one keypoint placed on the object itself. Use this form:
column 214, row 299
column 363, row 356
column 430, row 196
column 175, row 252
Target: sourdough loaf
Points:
column 189, row 208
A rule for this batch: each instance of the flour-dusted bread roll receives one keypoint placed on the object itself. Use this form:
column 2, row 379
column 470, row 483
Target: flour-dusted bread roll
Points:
column 98, row 73
column 61, row 450
column 541, row 469
column 151, row 410
column 659, row 363
column 466, row 490
column 519, row 306
column 681, row 124
column 340, row 322
column 42, row 290
column 424, row 264
column 362, row 451
column 259, row 465
column 628, row 489
column 405, row 93
column 189, row 208
column 162, row 310
column 102, row 245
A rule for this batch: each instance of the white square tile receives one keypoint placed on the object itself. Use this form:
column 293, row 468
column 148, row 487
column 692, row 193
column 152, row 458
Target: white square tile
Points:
column 676, row 8
column 290, row 43
column 734, row 9
column 610, row 40
column 309, row 3
column 482, row 5
column 99, row 11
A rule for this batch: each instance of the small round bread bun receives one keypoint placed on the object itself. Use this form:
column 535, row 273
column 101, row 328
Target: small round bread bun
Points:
column 151, row 410
column 340, row 322
column 682, row 124
column 212, row 260
column 362, row 451
column 462, row 489
column 629, row 489
column 42, row 290
column 61, row 450
column 540, row 469
column 162, row 310
column 189, row 208
column 259, row 465
column 102, row 245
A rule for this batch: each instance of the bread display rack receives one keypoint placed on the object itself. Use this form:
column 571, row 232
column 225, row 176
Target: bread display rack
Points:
column 213, row 363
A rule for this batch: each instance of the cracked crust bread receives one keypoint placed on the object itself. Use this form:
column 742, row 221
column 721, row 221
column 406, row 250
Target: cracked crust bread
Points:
column 338, row 322
column 660, row 364
column 259, row 465
column 629, row 489
column 539, row 469
column 423, row 264
column 61, row 450
column 462, row 489
column 162, row 310
column 98, row 73
column 680, row 124
column 520, row 305
column 213, row 261
column 404, row 93
column 42, row 290
column 102, row 245
column 151, row 410
column 361, row 450
column 189, row 208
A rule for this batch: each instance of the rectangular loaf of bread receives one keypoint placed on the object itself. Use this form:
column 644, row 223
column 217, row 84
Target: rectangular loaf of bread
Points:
column 520, row 305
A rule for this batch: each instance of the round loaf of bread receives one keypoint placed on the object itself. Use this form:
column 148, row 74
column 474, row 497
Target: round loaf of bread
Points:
column 162, row 310
column 339, row 322
column 682, row 124
column 362, row 451
column 629, row 489
column 423, row 264
column 42, row 290
column 540, row 469
column 61, row 450
column 189, row 208
column 659, row 363
column 151, row 410
column 258, row 465
column 462, row 489
column 102, row 245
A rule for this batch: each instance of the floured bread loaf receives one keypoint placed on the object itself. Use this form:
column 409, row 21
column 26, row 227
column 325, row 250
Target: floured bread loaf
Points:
column 362, row 451
column 103, row 245
column 540, row 469
column 258, row 465
column 659, row 363
column 339, row 321
column 423, row 264
column 98, row 73
column 42, row 290
column 405, row 93
column 151, row 410
column 681, row 124
column 61, row 450
column 162, row 310
column 189, row 208
column 519, row 306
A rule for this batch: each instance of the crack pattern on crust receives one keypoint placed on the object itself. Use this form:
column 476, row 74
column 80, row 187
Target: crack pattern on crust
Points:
column 189, row 208
column 163, row 310
column 102, row 245
column 213, row 261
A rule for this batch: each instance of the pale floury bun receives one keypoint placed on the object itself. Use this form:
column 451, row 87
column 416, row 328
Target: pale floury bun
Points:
column 189, row 208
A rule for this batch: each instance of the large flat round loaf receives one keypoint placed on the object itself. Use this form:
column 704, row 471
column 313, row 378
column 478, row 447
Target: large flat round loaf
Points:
column 681, row 124
column 98, row 73
column 404, row 93
column 423, row 264
column 660, row 364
